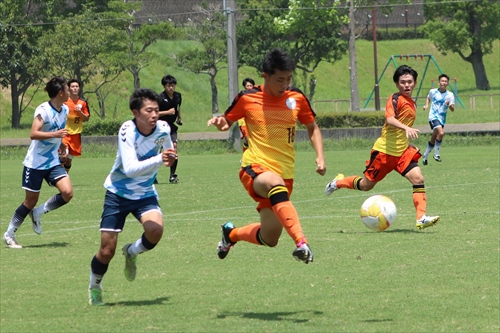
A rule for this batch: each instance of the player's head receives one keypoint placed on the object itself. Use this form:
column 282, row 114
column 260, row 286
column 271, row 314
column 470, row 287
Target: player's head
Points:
column 57, row 86
column 277, row 70
column 404, row 70
column 248, row 83
column 405, row 79
column 168, row 79
column 74, row 86
column 443, row 81
column 445, row 76
column 140, row 96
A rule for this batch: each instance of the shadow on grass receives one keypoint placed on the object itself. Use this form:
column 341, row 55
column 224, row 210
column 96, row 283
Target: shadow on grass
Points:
column 53, row 244
column 376, row 320
column 157, row 301
column 269, row 316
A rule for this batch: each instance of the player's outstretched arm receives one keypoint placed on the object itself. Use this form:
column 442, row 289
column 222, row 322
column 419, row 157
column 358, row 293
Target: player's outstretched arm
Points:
column 220, row 122
column 316, row 138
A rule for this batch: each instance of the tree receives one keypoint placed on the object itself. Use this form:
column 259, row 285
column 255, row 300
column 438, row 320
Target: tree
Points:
column 308, row 30
column 22, row 64
column 208, row 29
column 140, row 37
column 464, row 27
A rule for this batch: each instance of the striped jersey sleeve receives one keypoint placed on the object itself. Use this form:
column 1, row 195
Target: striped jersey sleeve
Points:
column 137, row 161
column 43, row 154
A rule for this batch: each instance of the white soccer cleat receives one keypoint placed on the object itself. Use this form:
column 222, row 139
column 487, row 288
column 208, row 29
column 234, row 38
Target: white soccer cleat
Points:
column 426, row 221
column 332, row 186
column 36, row 221
column 11, row 241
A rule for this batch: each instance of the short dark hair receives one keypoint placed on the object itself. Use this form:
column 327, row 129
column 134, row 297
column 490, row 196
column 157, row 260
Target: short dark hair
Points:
column 168, row 79
column 247, row 80
column 277, row 60
column 403, row 70
column 444, row 75
column 139, row 96
column 75, row 81
column 55, row 85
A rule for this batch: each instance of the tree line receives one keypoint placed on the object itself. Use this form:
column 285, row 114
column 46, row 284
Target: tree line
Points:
column 96, row 41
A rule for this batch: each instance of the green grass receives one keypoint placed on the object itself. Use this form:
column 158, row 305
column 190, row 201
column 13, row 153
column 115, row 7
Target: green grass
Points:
column 332, row 84
column 442, row 279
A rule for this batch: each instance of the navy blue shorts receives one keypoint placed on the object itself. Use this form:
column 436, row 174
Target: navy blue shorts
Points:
column 435, row 123
column 116, row 210
column 33, row 178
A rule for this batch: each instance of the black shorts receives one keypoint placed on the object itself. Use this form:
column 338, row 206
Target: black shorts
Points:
column 116, row 210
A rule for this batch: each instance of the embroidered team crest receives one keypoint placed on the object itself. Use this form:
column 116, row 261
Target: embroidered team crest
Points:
column 291, row 103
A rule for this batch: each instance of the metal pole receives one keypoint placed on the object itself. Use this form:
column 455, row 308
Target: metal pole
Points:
column 232, row 62
column 374, row 28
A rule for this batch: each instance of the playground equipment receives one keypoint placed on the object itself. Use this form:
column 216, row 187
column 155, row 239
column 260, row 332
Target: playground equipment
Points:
column 429, row 57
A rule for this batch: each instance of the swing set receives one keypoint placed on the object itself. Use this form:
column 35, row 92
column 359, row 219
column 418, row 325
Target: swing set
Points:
column 429, row 57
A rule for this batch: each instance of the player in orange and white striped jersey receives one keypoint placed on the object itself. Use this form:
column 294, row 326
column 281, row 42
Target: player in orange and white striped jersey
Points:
column 271, row 112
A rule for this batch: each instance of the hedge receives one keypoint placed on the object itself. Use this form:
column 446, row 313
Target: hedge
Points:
column 351, row 119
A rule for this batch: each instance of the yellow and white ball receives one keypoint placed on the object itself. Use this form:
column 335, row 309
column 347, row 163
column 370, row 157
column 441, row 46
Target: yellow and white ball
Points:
column 378, row 212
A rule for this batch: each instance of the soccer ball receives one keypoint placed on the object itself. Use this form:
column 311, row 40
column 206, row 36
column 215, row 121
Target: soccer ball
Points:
column 378, row 212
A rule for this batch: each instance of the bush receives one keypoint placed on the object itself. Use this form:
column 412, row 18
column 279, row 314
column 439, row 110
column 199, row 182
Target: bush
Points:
column 351, row 119
column 101, row 127
column 396, row 34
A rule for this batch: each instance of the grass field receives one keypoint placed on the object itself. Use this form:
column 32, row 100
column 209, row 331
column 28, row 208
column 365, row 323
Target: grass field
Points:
column 442, row 279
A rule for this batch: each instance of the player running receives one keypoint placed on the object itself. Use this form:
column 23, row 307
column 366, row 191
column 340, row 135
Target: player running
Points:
column 42, row 161
column 393, row 150
column 441, row 100
column 271, row 111
column 144, row 145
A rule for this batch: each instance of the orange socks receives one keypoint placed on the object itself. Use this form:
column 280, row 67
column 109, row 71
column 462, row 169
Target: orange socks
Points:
column 247, row 233
column 419, row 200
column 286, row 212
column 350, row 182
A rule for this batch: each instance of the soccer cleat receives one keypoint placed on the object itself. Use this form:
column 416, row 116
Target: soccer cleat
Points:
column 303, row 253
column 36, row 221
column 130, row 263
column 424, row 161
column 427, row 221
column 11, row 241
column 437, row 158
column 225, row 244
column 332, row 186
column 95, row 296
column 173, row 179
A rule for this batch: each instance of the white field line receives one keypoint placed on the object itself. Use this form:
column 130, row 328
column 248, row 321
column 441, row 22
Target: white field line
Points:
column 173, row 218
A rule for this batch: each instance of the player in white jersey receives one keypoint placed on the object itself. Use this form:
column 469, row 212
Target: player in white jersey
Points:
column 42, row 161
column 144, row 145
column 441, row 100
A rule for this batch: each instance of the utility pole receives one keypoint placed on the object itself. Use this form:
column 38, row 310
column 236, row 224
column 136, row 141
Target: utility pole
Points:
column 374, row 28
column 353, row 70
column 232, row 62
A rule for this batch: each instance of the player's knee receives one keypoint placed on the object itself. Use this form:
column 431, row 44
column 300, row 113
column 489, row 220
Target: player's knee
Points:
column 106, row 253
column 67, row 195
column 153, row 231
column 365, row 185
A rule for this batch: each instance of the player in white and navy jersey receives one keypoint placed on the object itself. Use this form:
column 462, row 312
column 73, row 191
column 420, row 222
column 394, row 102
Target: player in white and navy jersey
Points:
column 144, row 145
column 441, row 100
column 42, row 161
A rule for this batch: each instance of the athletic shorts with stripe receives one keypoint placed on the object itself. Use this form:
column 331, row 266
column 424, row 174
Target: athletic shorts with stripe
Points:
column 116, row 210
column 247, row 177
column 380, row 164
